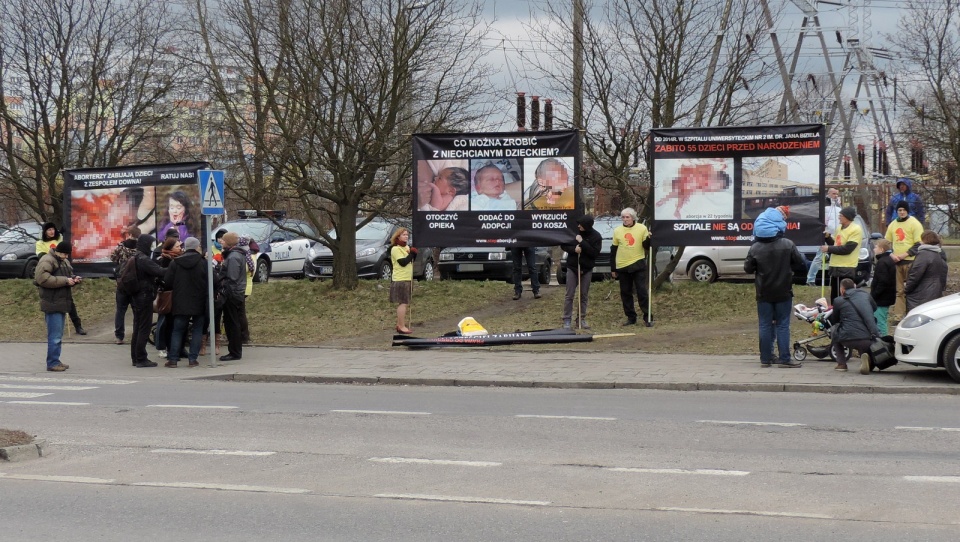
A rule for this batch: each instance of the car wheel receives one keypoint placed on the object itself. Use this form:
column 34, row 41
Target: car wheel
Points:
column 262, row 273
column 30, row 269
column 951, row 357
column 386, row 272
column 561, row 276
column 702, row 271
column 544, row 277
column 429, row 270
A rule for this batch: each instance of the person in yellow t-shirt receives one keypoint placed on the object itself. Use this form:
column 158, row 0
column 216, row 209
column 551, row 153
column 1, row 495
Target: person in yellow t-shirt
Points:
column 845, row 252
column 904, row 233
column 401, row 285
column 628, row 255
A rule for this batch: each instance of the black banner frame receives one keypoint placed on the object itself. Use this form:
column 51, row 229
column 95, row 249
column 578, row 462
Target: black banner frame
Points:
column 99, row 202
column 710, row 183
column 536, row 207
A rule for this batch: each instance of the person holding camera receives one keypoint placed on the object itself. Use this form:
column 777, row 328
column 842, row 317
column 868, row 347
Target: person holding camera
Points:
column 54, row 277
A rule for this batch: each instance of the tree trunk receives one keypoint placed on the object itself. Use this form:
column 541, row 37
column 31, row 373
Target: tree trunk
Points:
column 345, row 250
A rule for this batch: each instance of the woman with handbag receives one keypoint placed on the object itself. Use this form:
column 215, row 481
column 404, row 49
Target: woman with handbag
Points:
column 187, row 279
column 171, row 248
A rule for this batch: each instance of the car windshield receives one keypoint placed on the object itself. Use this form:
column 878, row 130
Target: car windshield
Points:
column 605, row 227
column 19, row 235
column 373, row 231
column 255, row 230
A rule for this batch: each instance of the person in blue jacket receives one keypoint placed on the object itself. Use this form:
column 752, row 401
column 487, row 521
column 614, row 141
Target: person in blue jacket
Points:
column 905, row 193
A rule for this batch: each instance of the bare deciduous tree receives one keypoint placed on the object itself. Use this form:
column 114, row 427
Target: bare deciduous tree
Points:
column 648, row 65
column 929, row 44
column 339, row 87
column 84, row 84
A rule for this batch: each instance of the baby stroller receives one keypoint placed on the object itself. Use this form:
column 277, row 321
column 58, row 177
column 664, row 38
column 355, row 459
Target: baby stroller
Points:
column 817, row 316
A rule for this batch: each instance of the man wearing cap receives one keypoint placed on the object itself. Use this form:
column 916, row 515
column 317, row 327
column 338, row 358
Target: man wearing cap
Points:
column 233, row 271
column 904, row 233
column 54, row 276
column 187, row 277
column 845, row 252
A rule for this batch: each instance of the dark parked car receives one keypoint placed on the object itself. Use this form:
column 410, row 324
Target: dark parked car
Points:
column 373, row 254
column 18, row 250
column 489, row 263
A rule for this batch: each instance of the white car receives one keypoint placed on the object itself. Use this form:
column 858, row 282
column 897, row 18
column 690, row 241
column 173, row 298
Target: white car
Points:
column 930, row 335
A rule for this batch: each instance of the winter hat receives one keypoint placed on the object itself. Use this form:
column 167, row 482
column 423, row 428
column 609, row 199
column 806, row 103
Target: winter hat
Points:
column 64, row 247
column 903, row 205
column 849, row 212
column 586, row 221
column 192, row 243
column 784, row 210
column 230, row 239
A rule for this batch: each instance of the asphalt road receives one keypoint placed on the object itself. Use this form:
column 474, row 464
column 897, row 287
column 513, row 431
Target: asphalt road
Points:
column 209, row 460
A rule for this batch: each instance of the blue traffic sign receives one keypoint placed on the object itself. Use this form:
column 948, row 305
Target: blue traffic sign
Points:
column 211, row 191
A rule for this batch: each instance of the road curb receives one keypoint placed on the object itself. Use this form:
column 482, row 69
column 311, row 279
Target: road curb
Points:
column 23, row 452
column 569, row 384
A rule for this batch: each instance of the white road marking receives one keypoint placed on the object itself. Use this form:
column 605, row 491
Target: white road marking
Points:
column 44, row 387
column 420, row 497
column 22, row 394
column 710, row 472
column 64, row 380
column 744, row 512
column 733, row 422
column 225, row 487
column 56, row 403
column 210, row 452
column 565, row 417
column 941, row 479
column 382, row 412
column 220, row 407
column 906, row 428
column 435, row 461
column 46, row 478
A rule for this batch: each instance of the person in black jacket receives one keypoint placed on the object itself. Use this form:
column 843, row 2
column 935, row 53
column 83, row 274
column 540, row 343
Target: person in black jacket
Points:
column 773, row 261
column 581, row 257
column 883, row 288
column 856, row 326
column 187, row 277
column 148, row 272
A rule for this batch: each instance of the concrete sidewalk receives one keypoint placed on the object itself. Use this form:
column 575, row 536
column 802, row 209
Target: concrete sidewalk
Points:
column 491, row 366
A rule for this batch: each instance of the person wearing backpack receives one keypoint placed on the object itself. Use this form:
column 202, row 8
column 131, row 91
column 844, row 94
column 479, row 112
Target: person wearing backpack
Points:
column 125, row 249
column 147, row 273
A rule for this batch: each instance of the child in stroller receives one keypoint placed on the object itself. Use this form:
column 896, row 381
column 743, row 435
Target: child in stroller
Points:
column 816, row 316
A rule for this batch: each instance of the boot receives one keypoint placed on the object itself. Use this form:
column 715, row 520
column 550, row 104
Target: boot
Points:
column 203, row 345
column 566, row 323
column 219, row 339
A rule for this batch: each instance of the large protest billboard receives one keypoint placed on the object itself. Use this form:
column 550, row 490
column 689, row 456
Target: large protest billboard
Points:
column 99, row 203
column 495, row 189
column 709, row 184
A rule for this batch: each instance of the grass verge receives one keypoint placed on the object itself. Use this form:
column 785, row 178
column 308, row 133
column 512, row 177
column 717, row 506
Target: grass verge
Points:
column 690, row 317
column 13, row 437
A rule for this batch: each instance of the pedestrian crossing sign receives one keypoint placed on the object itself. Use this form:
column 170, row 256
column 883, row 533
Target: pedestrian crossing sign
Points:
column 211, row 191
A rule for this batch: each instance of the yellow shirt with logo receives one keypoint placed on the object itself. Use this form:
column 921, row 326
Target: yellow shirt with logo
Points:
column 843, row 236
column 401, row 272
column 904, row 235
column 629, row 243
column 44, row 247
